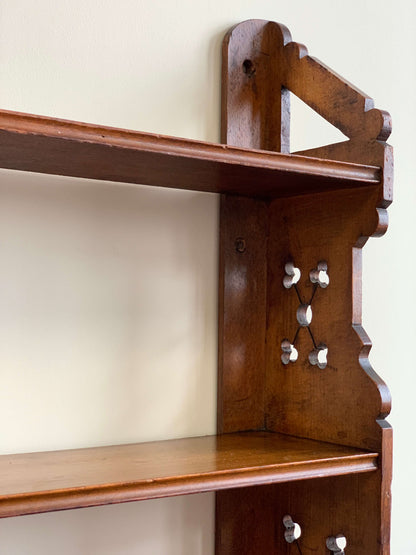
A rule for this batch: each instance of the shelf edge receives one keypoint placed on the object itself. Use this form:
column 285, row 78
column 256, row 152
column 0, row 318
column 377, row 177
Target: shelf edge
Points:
column 107, row 494
column 16, row 123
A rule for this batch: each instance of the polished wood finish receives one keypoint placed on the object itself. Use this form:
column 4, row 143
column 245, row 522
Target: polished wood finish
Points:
column 47, row 145
column 253, row 517
column 254, row 116
column 38, row 482
column 313, row 443
column 261, row 64
column 320, row 227
column 345, row 403
column 242, row 314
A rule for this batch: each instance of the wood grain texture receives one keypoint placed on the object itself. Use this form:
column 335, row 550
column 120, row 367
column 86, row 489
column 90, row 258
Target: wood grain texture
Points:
column 256, row 103
column 242, row 314
column 47, row 145
column 345, row 106
column 255, row 107
column 39, row 482
column 346, row 402
column 349, row 505
column 380, row 154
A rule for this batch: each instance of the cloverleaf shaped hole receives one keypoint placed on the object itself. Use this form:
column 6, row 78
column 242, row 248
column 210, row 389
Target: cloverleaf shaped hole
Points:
column 290, row 353
column 337, row 544
column 292, row 275
column 319, row 356
column 320, row 275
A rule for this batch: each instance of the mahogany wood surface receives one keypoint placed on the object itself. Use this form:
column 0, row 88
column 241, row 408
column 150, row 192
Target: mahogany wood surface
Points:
column 242, row 314
column 254, row 116
column 48, row 481
column 256, row 103
column 47, row 145
column 349, row 505
column 346, row 402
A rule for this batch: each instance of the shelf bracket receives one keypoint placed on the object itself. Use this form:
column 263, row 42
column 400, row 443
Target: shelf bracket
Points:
column 261, row 64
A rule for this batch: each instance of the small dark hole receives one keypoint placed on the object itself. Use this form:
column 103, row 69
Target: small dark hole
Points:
column 248, row 68
column 240, row 245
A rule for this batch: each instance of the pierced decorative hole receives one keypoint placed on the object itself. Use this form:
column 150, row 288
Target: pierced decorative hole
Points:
column 248, row 68
column 337, row 544
column 318, row 357
column 293, row 530
column 292, row 275
column 320, row 275
column 290, row 354
column 304, row 314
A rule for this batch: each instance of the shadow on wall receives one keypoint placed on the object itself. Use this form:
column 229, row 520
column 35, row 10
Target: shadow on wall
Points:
column 182, row 520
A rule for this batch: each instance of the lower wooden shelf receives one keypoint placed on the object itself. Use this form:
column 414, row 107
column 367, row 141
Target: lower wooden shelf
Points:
column 49, row 481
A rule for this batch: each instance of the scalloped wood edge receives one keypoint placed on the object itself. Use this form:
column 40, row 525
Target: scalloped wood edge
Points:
column 256, row 115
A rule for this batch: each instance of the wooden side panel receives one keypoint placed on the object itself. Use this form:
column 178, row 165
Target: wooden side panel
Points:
column 242, row 314
column 342, row 402
column 346, row 402
column 246, row 522
column 348, row 505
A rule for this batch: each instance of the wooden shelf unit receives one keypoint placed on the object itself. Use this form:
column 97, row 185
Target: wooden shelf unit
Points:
column 311, row 440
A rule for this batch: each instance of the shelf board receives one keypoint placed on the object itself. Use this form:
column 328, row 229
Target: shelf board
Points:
column 55, row 480
column 60, row 147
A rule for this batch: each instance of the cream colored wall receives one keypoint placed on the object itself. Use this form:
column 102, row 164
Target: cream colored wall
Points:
column 108, row 292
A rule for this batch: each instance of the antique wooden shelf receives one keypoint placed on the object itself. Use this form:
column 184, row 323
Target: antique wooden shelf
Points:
column 301, row 413
column 39, row 482
column 47, row 145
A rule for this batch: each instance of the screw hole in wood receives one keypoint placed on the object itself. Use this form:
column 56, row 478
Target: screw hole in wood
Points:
column 240, row 245
column 248, row 68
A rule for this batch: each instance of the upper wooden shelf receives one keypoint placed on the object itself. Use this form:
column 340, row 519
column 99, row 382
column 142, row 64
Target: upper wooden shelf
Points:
column 50, row 481
column 60, row 147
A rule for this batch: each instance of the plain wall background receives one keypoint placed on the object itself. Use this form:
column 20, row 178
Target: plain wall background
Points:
column 108, row 292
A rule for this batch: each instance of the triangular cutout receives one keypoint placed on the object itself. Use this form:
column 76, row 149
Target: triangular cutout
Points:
column 308, row 129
